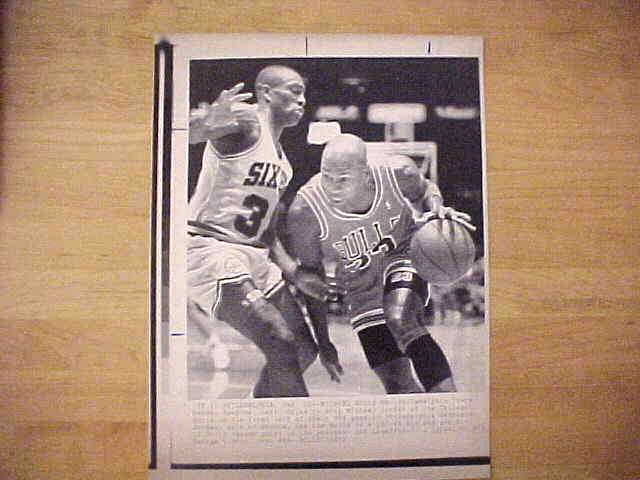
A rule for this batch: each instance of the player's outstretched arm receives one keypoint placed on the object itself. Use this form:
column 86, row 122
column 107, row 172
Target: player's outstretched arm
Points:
column 227, row 115
column 303, row 233
column 423, row 194
column 306, row 280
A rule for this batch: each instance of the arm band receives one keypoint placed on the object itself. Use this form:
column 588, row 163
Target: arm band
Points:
column 252, row 297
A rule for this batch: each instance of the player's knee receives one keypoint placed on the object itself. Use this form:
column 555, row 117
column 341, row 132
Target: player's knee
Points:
column 285, row 335
column 280, row 336
column 403, row 299
column 398, row 314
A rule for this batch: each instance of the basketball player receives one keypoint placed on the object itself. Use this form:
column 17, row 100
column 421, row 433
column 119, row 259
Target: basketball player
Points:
column 354, row 220
column 232, row 252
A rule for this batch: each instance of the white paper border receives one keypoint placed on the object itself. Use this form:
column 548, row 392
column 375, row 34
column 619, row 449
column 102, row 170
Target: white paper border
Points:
column 190, row 47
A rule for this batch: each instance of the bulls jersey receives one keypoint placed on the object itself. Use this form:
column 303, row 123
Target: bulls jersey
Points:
column 358, row 242
column 236, row 195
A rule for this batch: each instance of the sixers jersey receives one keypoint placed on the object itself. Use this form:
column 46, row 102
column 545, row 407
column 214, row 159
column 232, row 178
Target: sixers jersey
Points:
column 236, row 195
column 358, row 242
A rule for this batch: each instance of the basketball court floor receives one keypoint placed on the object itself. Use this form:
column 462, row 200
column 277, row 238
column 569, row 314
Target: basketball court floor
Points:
column 462, row 341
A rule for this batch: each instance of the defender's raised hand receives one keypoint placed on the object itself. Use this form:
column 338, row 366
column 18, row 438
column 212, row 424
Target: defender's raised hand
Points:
column 220, row 118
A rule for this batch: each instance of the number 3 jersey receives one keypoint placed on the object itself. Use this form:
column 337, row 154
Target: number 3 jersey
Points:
column 361, row 245
column 236, row 195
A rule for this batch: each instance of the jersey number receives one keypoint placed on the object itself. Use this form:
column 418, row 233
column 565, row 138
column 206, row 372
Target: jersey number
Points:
column 250, row 225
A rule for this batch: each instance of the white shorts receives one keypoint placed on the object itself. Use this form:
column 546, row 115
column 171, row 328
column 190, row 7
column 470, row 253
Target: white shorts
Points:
column 212, row 263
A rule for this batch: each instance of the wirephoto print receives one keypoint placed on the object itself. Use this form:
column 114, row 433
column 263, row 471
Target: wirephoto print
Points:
column 319, row 258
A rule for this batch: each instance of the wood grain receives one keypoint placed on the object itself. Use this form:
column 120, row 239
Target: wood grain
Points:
column 562, row 130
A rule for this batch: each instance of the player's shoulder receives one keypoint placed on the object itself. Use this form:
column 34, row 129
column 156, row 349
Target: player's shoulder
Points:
column 302, row 201
column 402, row 165
column 406, row 175
column 396, row 164
column 305, row 202
column 314, row 180
column 310, row 186
column 299, row 207
column 302, row 215
column 378, row 161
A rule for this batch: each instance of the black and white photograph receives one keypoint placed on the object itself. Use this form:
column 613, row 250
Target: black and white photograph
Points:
column 358, row 154
column 321, row 256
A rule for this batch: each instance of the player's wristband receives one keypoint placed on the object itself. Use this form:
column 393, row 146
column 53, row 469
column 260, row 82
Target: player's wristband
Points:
column 301, row 269
column 252, row 297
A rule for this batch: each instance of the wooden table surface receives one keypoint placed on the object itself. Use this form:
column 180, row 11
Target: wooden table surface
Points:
column 562, row 83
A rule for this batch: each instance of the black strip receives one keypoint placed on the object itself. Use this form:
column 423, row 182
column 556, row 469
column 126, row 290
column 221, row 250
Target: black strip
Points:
column 153, row 286
column 274, row 289
column 166, row 173
column 152, row 268
column 234, row 279
column 203, row 226
column 364, row 320
column 418, row 462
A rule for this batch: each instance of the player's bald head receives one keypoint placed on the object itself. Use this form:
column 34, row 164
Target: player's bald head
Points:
column 275, row 75
column 345, row 176
column 345, row 150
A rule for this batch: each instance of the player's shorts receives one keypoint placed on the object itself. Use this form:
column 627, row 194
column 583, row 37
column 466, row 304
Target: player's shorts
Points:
column 363, row 302
column 212, row 263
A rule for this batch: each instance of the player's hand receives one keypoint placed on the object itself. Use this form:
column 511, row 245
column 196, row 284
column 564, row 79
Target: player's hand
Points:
column 329, row 359
column 221, row 117
column 313, row 285
column 443, row 212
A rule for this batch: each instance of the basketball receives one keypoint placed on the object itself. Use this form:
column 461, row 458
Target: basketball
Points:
column 443, row 251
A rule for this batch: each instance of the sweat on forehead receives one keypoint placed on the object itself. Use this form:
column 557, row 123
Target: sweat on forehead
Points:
column 275, row 75
column 345, row 149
